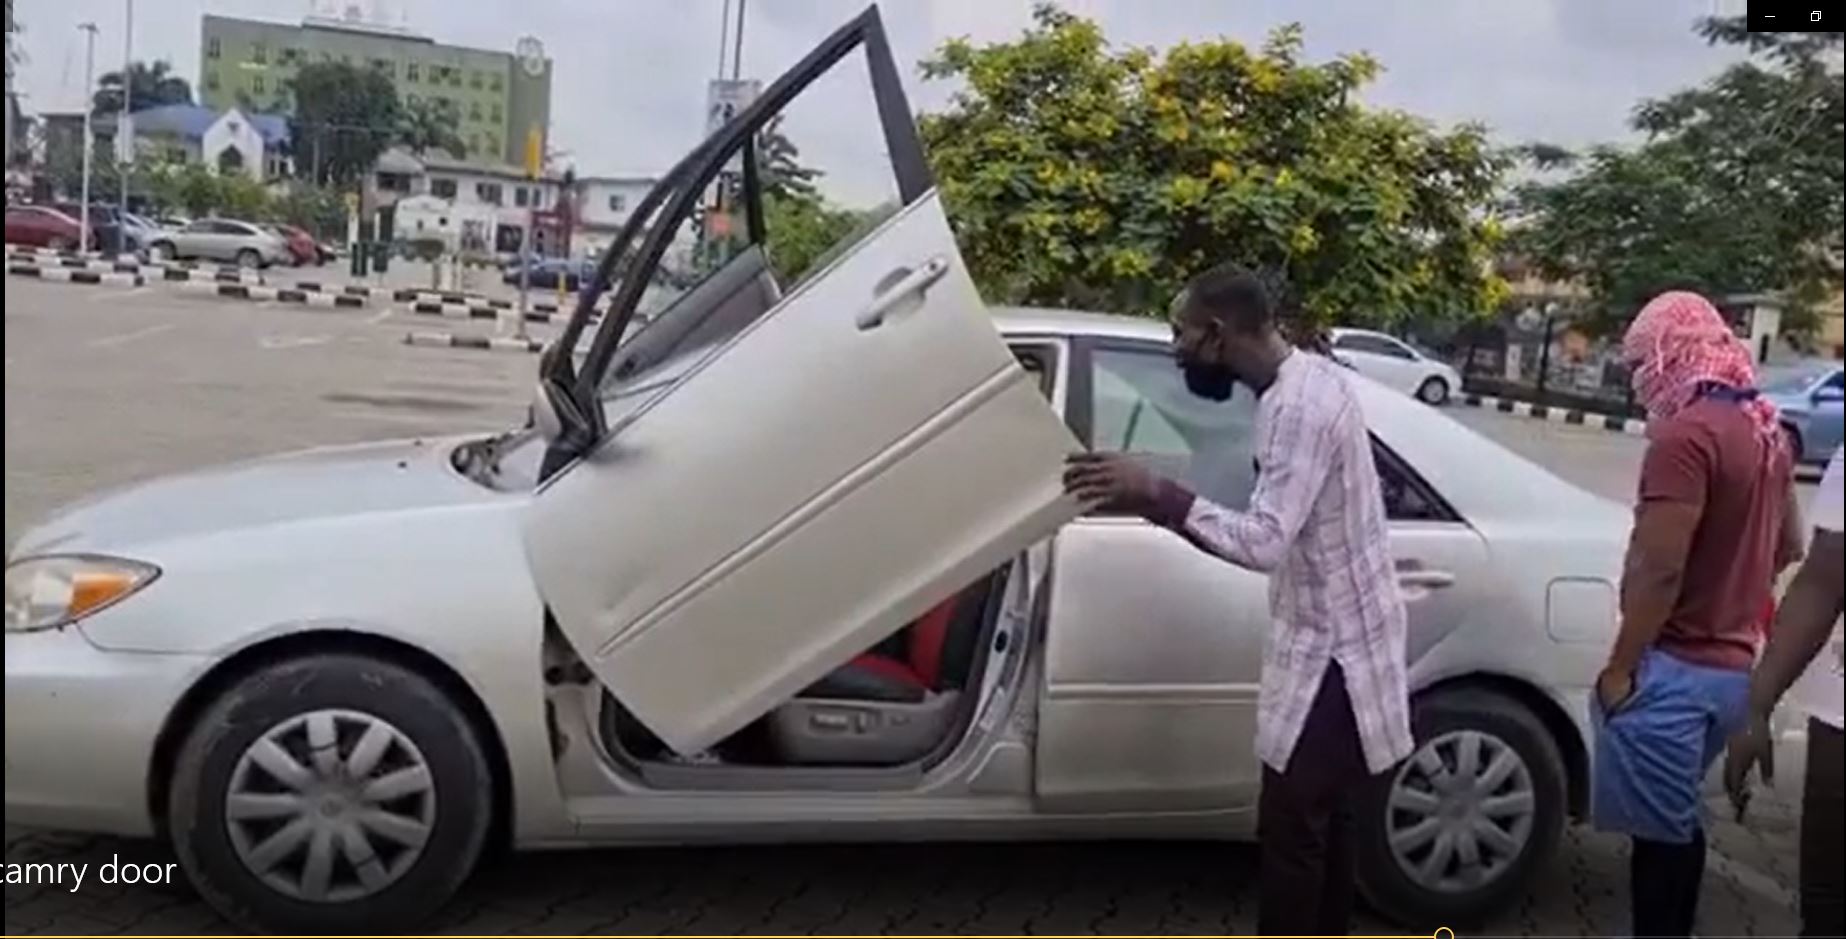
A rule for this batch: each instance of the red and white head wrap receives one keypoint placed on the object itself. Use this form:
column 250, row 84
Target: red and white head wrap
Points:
column 1679, row 344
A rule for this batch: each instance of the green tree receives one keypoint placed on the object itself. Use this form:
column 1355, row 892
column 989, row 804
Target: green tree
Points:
column 779, row 161
column 345, row 116
column 1085, row 176
column 1737, row 187
column 802, row 231
column 430, row 124
column 150, row 86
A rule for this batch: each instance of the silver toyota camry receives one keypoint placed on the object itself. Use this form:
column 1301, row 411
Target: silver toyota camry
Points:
column 790, row 562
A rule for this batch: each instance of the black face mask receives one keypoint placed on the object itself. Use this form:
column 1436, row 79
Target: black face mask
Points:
column 1213, row 382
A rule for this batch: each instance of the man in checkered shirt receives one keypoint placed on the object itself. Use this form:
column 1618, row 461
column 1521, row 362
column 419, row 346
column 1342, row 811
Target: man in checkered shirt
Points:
column 1334, row 708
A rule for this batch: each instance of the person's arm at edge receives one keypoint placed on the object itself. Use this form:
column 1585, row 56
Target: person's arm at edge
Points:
column 1789, row 548
column 1294, row 467
column 1803, row 622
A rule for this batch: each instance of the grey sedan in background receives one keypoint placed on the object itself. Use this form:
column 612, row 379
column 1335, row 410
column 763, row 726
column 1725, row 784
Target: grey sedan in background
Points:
column 791, row 562
column 220, row 239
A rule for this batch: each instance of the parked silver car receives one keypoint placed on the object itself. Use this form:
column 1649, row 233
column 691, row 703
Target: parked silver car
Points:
column 220, row 239
column 792, row 562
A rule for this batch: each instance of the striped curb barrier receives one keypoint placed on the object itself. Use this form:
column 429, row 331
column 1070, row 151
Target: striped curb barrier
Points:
column 14, row 252
column 1557, row 415
column 279, row 294
column 460, row 311
column 151, row 271
column 63, row 275
column 437, row 340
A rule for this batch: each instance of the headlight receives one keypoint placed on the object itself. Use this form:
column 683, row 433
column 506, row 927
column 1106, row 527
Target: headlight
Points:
column 57, row 590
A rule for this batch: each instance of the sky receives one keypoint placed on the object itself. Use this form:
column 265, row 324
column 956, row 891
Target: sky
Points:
column 629, row 78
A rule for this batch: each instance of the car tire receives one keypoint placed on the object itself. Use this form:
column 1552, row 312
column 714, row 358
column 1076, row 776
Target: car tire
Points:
column 161, row 252
column 374, row 711
column 1403, row 799
column 249, row 259
column 1433, row 392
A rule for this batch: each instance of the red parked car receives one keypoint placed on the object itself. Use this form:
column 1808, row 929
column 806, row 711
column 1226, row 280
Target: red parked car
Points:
column 301, row 246
column 41, row 227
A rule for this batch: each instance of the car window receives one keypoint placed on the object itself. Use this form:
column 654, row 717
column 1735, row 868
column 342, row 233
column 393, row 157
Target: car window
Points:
column 1407, row 497
column 1139, row 405
column 1376, row 345
column 199, row 228
column 1836, row 381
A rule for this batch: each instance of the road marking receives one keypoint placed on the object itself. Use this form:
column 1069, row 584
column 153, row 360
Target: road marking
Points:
column 292, row 342
column 125, row 338
column 383, row 315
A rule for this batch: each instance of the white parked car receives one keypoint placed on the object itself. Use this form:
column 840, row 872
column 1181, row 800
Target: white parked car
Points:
column 793, row 562
column 1393, row 362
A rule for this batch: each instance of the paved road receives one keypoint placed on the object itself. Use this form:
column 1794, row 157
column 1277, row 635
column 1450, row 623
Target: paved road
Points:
column 104, row 387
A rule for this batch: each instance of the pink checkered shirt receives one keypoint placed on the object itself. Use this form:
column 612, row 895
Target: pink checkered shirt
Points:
column 1316, row 525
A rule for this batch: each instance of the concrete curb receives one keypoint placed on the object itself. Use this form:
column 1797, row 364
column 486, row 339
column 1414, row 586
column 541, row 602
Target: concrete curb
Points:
column 1590, row 419
column 459, row 311
column 423, row 295
column 151, row 271
column 62, row 275
column 278, row 294
column 483, row 343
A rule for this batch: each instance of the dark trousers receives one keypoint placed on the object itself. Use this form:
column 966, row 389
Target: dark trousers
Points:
column 1304, row 822
column 1823, row 859
column 1665, row 879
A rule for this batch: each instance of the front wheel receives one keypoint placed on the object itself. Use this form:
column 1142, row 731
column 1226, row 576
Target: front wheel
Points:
column 249, row 259
column 161, row 252
column 330, row 794
column 1433, row 392
column 1454, row 833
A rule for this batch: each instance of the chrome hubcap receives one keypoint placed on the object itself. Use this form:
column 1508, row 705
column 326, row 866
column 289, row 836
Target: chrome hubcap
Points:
column 330, row 806
column 1461, row 811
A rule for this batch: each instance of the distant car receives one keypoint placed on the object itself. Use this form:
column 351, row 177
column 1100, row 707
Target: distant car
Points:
column 546, row 272
column 222, row 239
column 107, row 230
column 301, row 247
column 1809, row 397
column 40, row 226
column 1397, row 364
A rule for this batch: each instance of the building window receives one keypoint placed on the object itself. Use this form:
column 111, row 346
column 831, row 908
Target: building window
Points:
column 256, row 84
column 474, row 110
column 211, row 81
column 493, row 144
column 211, row 48
column 476, row 80
column 455, row 76
column 385, row 66
column 618, row 202
column 498, row 115
column 411, row 72
column 287, row 56
column 474, row 143
column 442, row 187
column 493, row 81
column 521, row 196
column 259, row 53
column 488, row 192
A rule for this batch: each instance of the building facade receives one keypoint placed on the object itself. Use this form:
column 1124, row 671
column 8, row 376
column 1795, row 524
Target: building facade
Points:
column 497, row 97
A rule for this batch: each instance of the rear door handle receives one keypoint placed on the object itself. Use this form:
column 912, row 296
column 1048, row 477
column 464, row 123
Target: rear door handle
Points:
column 1412, row 573
column 899, row 286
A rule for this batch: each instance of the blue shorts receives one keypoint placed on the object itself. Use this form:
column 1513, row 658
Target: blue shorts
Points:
column 1652, row 754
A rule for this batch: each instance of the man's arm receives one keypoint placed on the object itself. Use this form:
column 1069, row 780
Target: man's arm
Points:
column 1296, row 453
column 1789, row 547
column 1674, row 476
column 1803, row 622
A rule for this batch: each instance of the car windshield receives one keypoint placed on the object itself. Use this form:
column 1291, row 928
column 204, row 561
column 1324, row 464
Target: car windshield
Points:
column 1792, row 379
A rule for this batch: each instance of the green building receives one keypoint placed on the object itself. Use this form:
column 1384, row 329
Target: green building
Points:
column 497, row 96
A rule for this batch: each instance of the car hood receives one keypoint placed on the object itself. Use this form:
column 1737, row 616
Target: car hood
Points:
column 319, row 485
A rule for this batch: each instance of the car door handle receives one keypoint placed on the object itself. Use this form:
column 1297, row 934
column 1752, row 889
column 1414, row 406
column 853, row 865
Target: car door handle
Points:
column 1414, row 574
column 898, row 286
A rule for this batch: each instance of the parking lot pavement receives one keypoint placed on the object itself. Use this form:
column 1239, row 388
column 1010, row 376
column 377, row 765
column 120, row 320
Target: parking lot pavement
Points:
column 106, row 387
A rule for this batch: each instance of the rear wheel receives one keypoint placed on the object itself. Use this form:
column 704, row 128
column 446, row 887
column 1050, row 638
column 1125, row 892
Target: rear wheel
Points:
column 1433, row 392
column 329, row 794
column 1454, row 833
column 249, row 259
column 161, row 252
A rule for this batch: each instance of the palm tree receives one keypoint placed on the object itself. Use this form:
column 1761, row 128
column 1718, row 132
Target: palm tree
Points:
column 430, row 125
column 151, row 86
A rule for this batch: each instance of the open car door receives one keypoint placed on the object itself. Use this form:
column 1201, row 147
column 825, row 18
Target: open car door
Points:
column 756, row 487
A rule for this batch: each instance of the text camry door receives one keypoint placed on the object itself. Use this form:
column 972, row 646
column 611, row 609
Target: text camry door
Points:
column 859, row 451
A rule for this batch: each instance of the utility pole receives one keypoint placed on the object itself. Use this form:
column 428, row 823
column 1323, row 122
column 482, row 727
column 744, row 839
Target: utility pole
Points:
column 737, row 54
column 89, row 142
column 124, row 133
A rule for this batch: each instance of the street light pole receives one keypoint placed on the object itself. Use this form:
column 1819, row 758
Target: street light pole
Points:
column 89, row 143
column 124, row 134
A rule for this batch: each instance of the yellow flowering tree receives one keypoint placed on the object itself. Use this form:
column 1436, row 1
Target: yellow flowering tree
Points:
column 1087, row 176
